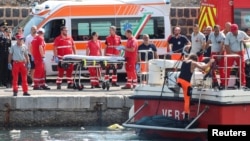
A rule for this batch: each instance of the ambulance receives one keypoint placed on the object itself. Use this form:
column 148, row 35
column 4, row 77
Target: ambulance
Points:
column 82, row 17
column 221, row 11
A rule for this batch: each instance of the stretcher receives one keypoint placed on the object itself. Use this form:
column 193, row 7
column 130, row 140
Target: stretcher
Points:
column 99, row 62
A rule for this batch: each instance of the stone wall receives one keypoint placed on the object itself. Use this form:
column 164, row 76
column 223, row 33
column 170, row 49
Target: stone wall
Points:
column 13, row 15
column 184, row 17
column 185, row 3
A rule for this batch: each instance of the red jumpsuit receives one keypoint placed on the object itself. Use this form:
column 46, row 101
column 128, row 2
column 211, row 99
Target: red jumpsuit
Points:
column 112, row 42
column 131, row 58
column 64, row 46
column 19, row 66
column 94, row 50
column 39, row 72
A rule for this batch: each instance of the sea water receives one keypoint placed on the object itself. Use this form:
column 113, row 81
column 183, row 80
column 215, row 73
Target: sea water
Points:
column 71, row 134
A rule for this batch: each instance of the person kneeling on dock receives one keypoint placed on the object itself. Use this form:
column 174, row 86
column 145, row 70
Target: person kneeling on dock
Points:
column 187, row 68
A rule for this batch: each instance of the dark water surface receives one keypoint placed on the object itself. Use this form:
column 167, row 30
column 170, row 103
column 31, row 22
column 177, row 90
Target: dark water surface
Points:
column 71, row 134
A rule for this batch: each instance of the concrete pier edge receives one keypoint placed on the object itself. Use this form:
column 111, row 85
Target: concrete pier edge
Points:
column 68, row 110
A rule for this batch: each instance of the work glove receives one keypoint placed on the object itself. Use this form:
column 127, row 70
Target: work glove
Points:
column 56, row 59
column 9, row 66
column 120, row 48
column 28, row 65
column 137, row 67
column 44, row 59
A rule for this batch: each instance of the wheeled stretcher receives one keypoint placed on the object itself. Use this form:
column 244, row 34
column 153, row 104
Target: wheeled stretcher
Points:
column 99, row 62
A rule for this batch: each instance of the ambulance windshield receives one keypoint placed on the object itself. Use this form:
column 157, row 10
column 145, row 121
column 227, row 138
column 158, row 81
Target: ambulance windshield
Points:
column 27, row 23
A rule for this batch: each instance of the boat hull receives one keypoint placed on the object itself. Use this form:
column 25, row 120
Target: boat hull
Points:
column 217, row 113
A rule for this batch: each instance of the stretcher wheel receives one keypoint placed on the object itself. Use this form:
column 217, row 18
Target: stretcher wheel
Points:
column 103, row 85
column 79, row 87
column 107, row 85
column 75, row 86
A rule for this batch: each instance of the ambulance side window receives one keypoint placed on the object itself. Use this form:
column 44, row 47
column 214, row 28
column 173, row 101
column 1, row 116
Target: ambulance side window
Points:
column 82, row 28
column 52, row 29
column 154, row 27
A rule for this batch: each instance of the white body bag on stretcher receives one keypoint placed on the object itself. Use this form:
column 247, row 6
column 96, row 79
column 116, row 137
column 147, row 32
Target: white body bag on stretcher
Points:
column 83, row 61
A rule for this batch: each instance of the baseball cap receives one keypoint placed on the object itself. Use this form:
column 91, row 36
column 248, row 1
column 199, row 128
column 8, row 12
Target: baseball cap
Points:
column 19, row 36
column 234, row 27
column 41, row 30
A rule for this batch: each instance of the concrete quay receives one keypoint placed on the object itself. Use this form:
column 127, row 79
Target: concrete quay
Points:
column 65, row 107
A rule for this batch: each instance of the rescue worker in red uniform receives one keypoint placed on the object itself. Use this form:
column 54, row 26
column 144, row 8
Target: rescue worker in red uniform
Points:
column 38, row 51
column 19, row 56
column 234, row 46
column 131, row 50
column 187, row 68
column 216, row 39
column 64, row 45
column 94, row 49
column 112, row 42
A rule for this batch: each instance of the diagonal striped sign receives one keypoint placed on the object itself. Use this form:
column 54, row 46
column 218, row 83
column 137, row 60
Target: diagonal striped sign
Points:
column 207, row 17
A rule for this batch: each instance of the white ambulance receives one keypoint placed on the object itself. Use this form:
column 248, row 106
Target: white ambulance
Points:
column 82, row 17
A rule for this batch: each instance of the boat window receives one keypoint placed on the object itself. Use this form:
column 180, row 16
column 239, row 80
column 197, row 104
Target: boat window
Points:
column 52, row 29
column 82, row 28
column 27, row 23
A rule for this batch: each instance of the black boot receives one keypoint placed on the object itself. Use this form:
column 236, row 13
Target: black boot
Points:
column 215, row 85
column 58, row 87
column 186, row 117
column 114, row 84
column 70, row 86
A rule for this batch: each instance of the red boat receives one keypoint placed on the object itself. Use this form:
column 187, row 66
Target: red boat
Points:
column 161, row 96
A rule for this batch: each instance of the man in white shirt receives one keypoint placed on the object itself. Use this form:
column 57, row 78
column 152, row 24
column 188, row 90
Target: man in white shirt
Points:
column 234, row 45
column 198, row 42
column 216, row 39
column 28, row 39
column 227, row 28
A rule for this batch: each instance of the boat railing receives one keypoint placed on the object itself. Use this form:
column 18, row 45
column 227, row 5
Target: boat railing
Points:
column 225, row 68
column 201, row 80
column 143, row 70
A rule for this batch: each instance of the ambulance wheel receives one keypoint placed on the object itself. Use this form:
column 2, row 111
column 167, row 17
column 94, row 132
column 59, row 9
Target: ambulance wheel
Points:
column 103, row 85
column 80, row 87
column 107, row 85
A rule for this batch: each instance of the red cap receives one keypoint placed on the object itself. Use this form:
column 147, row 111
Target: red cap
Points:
column 234, row 27
column 19, row 36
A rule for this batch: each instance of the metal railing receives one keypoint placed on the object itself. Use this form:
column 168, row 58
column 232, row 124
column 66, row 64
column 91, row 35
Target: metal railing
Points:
column 225, row 67
column 143, row 76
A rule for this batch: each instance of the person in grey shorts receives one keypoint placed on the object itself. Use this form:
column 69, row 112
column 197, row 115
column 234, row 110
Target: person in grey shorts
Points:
column 28, row 40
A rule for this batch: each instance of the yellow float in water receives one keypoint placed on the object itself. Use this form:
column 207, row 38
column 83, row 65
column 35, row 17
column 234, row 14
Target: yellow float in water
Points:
column 115, row 127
